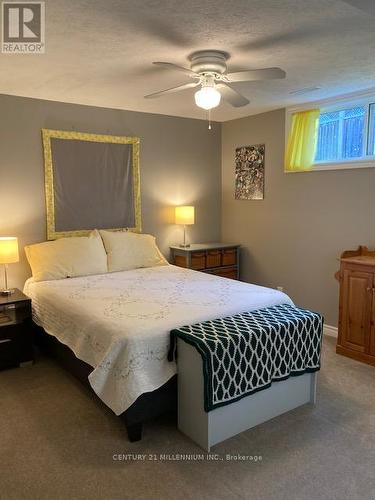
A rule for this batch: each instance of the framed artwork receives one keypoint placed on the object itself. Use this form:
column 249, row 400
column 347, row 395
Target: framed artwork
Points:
column 249, row 173
column 91, row 182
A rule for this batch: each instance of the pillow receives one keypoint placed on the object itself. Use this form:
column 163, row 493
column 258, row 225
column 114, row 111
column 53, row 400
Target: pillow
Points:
column 126, row 250
column 67, row 257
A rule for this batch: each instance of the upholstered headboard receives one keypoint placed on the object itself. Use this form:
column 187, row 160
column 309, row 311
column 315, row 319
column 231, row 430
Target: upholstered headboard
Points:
column 91, row 182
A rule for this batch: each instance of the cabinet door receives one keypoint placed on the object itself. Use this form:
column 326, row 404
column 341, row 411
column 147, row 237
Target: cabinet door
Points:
column 371, row 341
column 357, row 305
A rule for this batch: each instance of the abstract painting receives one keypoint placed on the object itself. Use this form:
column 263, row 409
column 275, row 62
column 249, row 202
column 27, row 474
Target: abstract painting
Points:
column 250, row 172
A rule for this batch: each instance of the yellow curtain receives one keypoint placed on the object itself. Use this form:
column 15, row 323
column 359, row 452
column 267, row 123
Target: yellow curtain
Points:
column 302, row 140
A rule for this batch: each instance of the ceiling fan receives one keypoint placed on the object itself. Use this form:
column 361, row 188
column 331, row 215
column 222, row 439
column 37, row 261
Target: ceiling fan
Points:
column 208, row 70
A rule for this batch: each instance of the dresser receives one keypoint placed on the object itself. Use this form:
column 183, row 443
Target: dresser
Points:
column 221, row 259
column 356, row 335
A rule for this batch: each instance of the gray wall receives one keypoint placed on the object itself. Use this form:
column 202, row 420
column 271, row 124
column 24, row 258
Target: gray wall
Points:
column 180, row 164
column 293, row 237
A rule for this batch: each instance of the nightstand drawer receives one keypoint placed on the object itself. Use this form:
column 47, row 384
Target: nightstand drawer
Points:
column 16, row 343
column 9, row 332
column 8, row 352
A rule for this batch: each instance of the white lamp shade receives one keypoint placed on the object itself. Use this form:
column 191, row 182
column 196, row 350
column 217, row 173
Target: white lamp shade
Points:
column 8, row 250
column 185, row 215
column 207, row 98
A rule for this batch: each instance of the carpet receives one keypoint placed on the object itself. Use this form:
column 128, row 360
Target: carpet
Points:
column 57, row 441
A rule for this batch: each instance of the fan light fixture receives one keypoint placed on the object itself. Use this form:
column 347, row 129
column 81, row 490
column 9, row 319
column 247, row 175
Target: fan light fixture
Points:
column 208, row 72
column 207, row 98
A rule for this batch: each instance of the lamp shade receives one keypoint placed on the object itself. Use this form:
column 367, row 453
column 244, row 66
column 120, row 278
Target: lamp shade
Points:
column 8, row 250
column 184, row 215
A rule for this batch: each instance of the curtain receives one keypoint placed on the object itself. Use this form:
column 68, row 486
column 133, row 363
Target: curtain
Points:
column 302, row 141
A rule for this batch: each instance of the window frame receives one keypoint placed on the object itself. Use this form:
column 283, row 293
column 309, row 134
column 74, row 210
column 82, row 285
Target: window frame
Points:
column 338, row 104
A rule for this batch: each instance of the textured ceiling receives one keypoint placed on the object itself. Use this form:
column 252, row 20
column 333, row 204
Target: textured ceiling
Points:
column 100, row 52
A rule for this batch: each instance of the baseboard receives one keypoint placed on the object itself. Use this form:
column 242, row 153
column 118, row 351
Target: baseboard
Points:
column 331, row 331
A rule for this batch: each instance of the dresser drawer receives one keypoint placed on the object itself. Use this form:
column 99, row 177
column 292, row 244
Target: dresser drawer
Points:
column 227, row 273
column 198, row 260
column 213, row 258
column 229, row 257
column 180, row 260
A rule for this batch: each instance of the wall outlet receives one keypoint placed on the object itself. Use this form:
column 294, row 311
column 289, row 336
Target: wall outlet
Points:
column 280, row 288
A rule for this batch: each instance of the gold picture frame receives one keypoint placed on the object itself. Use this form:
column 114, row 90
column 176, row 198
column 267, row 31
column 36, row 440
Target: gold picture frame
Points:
column 47, row 135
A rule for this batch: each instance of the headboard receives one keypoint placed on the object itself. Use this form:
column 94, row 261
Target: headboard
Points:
column 91, row 182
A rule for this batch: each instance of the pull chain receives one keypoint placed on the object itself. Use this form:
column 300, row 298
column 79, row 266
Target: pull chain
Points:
column 209, row 120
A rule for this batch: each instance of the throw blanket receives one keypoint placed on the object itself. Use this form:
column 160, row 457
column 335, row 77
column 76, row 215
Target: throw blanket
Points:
column 245, row 353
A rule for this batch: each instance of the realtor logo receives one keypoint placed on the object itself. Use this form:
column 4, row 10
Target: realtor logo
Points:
column 23, row 28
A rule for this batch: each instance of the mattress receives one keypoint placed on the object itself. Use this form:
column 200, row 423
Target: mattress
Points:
column 120, row 323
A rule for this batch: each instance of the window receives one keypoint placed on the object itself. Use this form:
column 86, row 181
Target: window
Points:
column 371, row 128
column 346, row 135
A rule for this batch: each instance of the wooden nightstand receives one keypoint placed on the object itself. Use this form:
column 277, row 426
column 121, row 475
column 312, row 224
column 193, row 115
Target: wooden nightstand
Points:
column 221, row 259
column 15, row 330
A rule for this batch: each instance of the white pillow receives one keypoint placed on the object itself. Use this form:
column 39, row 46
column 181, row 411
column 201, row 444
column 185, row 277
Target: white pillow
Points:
column 67, row 257
column 126, row 250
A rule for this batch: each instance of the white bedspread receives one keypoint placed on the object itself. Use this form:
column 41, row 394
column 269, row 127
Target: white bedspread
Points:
column 119, row 323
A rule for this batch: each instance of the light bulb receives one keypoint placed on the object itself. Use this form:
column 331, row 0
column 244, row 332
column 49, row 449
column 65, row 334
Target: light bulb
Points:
column 207, row 98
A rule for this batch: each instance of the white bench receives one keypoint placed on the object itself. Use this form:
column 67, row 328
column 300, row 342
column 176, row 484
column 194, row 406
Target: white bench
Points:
column 208, row 429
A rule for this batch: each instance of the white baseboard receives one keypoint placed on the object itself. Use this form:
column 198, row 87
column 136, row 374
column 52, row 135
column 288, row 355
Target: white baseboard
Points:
column 331, row 331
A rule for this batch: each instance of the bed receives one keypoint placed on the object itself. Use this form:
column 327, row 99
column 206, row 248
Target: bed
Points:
column 113, row 329
column 104, row 299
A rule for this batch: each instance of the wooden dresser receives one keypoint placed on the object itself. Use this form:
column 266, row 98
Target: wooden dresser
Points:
column 356, row 336
column 221, row 259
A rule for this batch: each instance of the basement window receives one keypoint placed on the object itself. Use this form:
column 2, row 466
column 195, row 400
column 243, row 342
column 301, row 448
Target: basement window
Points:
column 341, row 135
column 346, row 131
column 346, row 136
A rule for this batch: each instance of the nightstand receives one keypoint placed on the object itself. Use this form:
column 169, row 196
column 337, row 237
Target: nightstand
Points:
column 221, row 259
column 15, row 330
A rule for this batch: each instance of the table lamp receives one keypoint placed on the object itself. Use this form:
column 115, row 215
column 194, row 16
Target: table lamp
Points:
column 184, row 215
column 8, row 255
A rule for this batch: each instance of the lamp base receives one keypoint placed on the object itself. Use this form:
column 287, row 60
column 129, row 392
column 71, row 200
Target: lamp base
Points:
column 184, row 245
column 5, row 293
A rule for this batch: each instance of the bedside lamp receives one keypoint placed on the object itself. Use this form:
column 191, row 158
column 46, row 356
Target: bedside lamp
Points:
column 8, row 255
column 185, row 216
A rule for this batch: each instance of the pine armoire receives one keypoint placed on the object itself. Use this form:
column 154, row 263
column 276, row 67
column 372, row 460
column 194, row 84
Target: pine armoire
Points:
column 356, row 335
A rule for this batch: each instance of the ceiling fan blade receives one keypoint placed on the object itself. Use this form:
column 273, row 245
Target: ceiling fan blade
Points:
column 167, row 65
column 256, row 74
column 172, row 90
column 232, row 96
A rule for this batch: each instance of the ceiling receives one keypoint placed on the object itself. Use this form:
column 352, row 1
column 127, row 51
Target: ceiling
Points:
column 100, row 52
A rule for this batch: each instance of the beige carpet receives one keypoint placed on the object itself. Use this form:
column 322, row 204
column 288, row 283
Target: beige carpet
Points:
column 58, row 442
